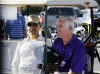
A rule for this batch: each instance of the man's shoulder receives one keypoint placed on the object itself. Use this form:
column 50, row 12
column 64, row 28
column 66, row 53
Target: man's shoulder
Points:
column 22, row 41
column 78, row 45
column 57, row 39
column 56, row 42
column 77, row 42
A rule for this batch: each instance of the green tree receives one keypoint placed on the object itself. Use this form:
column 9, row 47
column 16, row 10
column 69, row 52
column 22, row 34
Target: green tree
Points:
column 29, row 10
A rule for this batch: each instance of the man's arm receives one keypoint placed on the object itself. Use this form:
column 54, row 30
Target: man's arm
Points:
column 79, row 60
column 15, row 61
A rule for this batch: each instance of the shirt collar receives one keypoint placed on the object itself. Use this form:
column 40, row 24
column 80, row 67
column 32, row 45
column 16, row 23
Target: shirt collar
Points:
column 71, row 41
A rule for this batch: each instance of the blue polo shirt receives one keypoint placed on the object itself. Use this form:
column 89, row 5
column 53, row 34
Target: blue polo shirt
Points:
column 79, row 60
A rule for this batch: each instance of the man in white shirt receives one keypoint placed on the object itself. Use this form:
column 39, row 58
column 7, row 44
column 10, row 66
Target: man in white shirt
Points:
column 29, row 52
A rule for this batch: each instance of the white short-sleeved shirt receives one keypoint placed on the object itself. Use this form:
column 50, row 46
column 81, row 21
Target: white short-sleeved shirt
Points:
column 28, row 54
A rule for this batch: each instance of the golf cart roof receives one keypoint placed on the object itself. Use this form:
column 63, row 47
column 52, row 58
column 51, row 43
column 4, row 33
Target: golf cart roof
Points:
column 48, row 2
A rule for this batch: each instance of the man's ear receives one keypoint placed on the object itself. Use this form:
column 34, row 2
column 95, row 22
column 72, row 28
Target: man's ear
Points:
column 40, row 25
column 70, row 28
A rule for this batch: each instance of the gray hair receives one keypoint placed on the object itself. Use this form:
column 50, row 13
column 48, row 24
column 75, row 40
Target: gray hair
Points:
column 67, row 21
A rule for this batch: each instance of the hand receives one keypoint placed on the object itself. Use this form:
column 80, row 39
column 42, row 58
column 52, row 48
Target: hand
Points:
column 62, row 64
column 39, row 66
column 71, row 73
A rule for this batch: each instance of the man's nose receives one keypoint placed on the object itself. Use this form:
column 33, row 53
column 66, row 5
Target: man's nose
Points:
column 59, row 31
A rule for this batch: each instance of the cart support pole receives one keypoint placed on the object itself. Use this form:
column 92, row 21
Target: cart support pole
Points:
column 45, row 47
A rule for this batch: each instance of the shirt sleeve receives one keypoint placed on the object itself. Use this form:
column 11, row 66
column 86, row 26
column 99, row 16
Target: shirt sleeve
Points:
column 16, row 58
column 79, row 59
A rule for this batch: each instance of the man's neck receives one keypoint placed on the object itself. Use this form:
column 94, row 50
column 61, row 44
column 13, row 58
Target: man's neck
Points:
column 66, row 41
column 33, row 37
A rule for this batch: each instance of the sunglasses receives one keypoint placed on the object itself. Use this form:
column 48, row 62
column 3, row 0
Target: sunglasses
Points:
column 32, row 24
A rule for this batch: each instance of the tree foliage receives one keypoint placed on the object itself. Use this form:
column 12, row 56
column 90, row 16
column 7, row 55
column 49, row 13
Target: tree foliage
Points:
column 30, row 10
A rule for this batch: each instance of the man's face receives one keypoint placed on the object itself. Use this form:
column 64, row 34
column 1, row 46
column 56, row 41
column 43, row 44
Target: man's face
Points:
column 32, row 31
column 64, row 31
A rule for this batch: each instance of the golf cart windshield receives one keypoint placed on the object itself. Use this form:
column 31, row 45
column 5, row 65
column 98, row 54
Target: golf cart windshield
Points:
column 61, row 11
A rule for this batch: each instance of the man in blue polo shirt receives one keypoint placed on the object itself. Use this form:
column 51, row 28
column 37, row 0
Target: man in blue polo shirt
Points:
column 70, row 47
